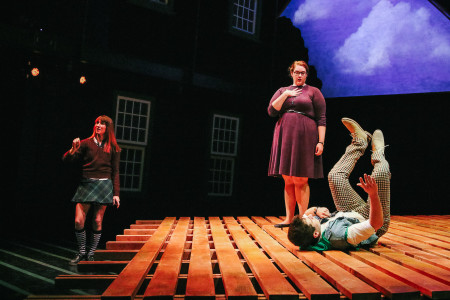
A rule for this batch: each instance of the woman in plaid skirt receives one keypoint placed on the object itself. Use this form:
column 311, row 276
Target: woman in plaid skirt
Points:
column 99, row 156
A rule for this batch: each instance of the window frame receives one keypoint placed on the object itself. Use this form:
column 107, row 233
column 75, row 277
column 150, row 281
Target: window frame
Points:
column 130, row 144
column 257, row 21
column 147, row 125
column 227, row 156
column 230, row 183
column 212, row 151
column 141, row 173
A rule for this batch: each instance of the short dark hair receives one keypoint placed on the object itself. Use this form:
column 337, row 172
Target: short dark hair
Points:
column 302, row 234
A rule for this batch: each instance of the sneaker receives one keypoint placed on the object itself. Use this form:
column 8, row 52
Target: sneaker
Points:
column 356, row 130
column 79, row 257
column 90, row 257
column 378, row 141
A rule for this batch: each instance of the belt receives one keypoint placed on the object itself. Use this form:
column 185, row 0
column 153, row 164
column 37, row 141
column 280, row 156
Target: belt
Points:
column 300, row 112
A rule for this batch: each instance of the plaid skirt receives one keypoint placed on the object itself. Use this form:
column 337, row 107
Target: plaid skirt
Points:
column 94, row 191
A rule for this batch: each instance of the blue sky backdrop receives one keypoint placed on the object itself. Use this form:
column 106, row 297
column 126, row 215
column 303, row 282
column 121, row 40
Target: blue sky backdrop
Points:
column 375, row 47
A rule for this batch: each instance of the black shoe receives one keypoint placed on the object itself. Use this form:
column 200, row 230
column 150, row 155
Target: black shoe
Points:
column 90, row 257
column 77, row 259
column 280, row 225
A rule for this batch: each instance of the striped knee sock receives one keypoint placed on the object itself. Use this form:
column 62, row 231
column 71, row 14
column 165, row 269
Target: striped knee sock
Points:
column 95, row 238
column 81, row 240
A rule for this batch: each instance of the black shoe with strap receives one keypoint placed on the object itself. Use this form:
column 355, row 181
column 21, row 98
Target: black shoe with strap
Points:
column 79, row 257
column 281, row 225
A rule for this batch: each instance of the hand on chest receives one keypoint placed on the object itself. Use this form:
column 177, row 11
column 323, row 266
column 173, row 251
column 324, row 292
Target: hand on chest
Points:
column 301, row 101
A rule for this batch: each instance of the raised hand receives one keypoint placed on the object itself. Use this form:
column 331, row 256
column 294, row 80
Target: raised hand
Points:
column 368, row 184
column 75, row 145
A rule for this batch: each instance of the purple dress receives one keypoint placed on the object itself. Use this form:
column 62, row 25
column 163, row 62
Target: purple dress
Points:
column 295, row 136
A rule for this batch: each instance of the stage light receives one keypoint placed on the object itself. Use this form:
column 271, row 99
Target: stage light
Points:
column 35, row 72
column 82, row 80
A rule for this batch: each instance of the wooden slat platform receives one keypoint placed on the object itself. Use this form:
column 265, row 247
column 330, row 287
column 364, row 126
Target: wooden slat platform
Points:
column 248, row 258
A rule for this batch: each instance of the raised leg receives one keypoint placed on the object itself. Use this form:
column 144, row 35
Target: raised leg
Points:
column 382, row 176
column 344, row 196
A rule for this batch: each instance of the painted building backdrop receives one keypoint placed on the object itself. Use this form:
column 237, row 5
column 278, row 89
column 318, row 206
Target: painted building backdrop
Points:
column 188, row 84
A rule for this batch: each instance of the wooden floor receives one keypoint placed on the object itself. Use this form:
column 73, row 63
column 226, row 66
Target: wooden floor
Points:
column 247, row 257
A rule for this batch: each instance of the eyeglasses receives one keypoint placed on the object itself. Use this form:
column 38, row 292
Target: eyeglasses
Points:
column 299, row 73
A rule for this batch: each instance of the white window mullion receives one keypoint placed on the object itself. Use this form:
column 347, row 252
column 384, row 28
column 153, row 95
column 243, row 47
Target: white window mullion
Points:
column 244, row 15
column 224, row 137
column 132, row 127
column 128, row 125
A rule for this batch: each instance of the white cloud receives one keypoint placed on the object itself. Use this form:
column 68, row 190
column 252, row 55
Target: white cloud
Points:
column 391, row 34
column 313, row 10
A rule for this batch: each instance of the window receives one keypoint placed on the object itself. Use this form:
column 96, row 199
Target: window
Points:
column 224, row 138
column 244, row 16
column 131, row 167
column 132, row 120
column 224, row 142
column 221, row 176
column 132, row 131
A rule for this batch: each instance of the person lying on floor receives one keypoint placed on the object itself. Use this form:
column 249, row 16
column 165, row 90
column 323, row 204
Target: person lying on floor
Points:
column 356, row 223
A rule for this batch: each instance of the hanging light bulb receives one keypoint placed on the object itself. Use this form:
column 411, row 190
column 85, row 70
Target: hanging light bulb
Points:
column 35, row 72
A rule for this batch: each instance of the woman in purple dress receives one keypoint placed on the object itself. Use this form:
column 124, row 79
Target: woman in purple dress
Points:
column 298, row 138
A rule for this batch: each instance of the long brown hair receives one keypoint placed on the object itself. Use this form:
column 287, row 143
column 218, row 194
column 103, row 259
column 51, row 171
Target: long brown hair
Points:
column 109, row 138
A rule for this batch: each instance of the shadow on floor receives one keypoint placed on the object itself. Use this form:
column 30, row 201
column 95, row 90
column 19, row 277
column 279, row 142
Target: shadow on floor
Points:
column 29, row 265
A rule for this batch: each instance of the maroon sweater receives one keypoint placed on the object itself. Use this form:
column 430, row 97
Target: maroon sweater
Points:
column 96, row 163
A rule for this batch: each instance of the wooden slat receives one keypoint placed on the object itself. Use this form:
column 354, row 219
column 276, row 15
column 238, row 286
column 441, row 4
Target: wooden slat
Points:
column 126, row 285
column 430, row 258
column 276, row 220
column 423, row 238
column 429, row 270
column 200, row 282
column 271, row 281
column 165, row 279
column 386, row 284
column 139, row 231
column 235, row 280
column 417, row 244
column 434, row 234
column 128, row 245
column 421, row 227
column 143, row 226
column 149, row 222
column 430, row 222
column 427, row 286
column 312, row 286
column 135, row 238
column 349, row 285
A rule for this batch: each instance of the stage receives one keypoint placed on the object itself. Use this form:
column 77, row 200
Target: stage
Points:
column 247, row 257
